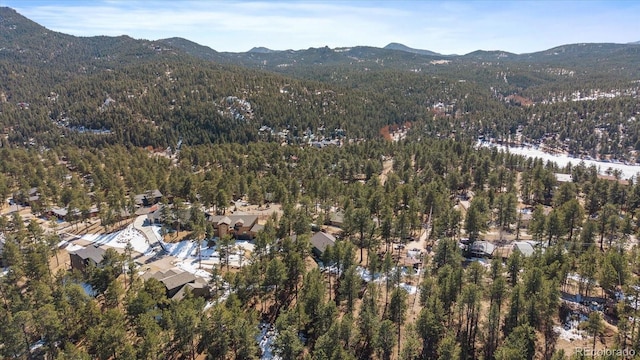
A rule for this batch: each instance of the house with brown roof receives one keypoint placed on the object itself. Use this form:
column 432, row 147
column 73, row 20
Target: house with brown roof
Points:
column 238, row 226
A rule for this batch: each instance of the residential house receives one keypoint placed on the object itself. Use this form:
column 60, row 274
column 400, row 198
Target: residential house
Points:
column 320, row 241
column 65, row 215
column 526, row 215
column 31, row 197
column 150, row 197
column 155, row 216
column 337, row 219
column 238, row 226
column 83, row 258
column 563, row 178
column 613, row 178
column 524, row 247
column 199, row 288
column 175, row 281
column 482, row 249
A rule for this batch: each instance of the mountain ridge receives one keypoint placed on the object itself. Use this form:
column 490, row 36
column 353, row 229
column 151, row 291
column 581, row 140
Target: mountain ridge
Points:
column 10, row 14
column 402, row 47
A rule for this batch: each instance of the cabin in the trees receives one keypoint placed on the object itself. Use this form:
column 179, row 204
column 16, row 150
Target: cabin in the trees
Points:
column 238, row 226
column 337, row 219
column 482, row 249
column 613, row 178
column 83, row 258
column 320, row 241
column 526, row 216
column 31, row 197
column 563, row 178
column 150, row 197
column 524, row 247
column 176, row 283
column 66, row 215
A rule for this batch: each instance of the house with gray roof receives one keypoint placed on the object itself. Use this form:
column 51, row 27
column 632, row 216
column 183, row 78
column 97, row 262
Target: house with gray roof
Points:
column 83, row 258
column 320, row 241
column 150, row 197
column 482, row 249
column 174, row 281
column 524, row 247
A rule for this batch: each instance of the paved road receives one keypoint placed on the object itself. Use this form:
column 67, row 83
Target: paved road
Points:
column 139, row 224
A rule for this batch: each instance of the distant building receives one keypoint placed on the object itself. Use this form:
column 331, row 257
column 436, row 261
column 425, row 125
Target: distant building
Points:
column 613, row 178
column 563, row 178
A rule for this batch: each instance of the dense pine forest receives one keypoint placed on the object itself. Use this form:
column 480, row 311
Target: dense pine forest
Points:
column 382, row 230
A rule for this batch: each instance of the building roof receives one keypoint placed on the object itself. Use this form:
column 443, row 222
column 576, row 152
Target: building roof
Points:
column 149, row 194
column 199, row 287
column 177, row 280
column 563, row 177
column 234, row 219
column 321, row 240
column 337, row 217
column 524, row 247
column 483, row 248
column 90, row 252
column 257, row 228
column 159, row 275
column 613, row 178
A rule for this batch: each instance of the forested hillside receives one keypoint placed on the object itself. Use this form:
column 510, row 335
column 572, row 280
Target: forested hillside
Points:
column 163, row 200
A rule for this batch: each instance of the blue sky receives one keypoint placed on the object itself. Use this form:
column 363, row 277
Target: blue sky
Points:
column 452, row 27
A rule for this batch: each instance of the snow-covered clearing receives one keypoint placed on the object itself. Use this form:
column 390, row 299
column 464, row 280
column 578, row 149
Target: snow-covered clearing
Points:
column 627, row 171
column 121, row 238
column 568, row 335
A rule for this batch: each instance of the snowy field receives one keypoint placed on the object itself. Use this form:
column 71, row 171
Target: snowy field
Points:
column 627, row 171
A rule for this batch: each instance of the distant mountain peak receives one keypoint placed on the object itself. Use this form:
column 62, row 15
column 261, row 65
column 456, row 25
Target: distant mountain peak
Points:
column 405, row 48
column 635, row 43
column 261, row 50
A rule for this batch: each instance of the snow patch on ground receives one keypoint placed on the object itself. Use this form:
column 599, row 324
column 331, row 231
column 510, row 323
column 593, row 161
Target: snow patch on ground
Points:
column 627, row 171
column 120, row 239
column 568, row 335
column 73, row 247
column 265, row 341
column 409, row 288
